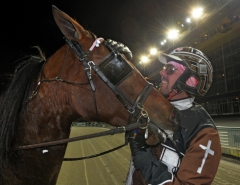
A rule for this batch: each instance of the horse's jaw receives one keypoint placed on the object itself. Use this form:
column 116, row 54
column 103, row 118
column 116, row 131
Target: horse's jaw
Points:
column 161, row 112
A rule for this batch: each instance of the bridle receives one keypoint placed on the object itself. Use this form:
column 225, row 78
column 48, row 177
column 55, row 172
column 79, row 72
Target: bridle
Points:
column 136, row 109
column 112, row 80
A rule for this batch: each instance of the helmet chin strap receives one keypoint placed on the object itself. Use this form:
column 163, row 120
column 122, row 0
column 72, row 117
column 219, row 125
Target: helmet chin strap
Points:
column 173, row 93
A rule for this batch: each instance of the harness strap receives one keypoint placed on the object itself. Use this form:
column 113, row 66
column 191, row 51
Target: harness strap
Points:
column 83, row 57
column 110, row 85
column 124, row 95
column 172, row 94
column 140, row 100
column 131, row 110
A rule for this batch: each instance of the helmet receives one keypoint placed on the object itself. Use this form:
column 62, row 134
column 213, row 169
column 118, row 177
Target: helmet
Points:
column 197, row 65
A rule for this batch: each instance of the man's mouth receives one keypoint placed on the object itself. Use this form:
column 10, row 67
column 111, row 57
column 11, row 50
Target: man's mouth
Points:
column 164, row 81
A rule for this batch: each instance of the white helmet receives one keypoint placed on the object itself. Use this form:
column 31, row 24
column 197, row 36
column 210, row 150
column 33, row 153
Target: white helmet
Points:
column 197, row 65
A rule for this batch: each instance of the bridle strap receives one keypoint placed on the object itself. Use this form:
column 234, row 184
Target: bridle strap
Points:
column 139, row 102
column 57, row 78
column 140, row 99
column 84, row 58
column 88, row 65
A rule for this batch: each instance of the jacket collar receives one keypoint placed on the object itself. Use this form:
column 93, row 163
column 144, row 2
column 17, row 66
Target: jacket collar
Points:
column 183, row 104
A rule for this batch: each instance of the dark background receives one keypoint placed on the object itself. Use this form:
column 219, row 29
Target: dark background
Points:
column 138, row 24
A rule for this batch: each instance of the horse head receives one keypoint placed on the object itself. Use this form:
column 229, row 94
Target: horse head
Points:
column 159, row 110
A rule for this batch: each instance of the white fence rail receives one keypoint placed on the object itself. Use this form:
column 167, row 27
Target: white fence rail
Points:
column 229, row 136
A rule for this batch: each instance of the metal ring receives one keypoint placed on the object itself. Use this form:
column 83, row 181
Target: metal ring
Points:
column 144, row 113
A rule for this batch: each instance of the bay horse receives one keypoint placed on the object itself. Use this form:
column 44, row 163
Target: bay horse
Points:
column 46, row 96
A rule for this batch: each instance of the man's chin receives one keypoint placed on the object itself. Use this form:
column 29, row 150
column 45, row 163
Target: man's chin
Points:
column 164, row 94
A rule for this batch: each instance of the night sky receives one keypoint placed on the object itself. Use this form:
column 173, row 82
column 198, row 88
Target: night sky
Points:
column 138, row 24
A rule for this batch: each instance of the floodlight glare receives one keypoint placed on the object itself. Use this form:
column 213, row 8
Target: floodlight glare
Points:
column 197, row 12
column 188, row 20
column 144, row 59
column 173, row 34
column 153, row 51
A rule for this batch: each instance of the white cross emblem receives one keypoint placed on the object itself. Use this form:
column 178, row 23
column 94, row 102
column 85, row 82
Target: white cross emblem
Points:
column 207, row 151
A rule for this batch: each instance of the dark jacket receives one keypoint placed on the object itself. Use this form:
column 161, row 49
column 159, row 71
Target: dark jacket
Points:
column 194, row 165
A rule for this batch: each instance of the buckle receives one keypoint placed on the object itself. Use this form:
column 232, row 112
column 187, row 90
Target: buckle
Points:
column 90, row 64
column 131, row 111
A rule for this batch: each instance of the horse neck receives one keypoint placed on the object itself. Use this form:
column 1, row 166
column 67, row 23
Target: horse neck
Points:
column 43, row 120
column 51, row 108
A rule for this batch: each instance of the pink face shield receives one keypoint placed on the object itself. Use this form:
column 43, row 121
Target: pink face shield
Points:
column 192, row 81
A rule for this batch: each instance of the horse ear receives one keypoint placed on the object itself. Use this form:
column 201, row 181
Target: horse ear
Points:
column 69, row 27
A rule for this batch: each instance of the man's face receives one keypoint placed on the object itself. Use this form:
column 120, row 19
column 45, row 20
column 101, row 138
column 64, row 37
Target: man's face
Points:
column 169, row 76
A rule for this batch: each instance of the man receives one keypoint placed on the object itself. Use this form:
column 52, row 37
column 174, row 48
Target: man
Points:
column 192, row 154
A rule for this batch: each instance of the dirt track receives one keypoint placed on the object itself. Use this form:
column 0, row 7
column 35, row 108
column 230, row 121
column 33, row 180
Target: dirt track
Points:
column 111, row 169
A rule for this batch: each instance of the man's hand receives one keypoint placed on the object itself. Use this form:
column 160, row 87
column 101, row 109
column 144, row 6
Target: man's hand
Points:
column 153, row 170
column 118, row 46
column 137, row 141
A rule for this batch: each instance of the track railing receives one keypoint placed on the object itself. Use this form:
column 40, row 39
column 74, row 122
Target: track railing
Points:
column 229, row 136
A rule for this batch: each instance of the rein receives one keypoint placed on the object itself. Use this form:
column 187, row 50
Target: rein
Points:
column 89, row 136
column 136, row 111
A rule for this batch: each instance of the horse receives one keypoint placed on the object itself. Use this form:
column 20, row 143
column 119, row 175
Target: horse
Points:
column 45, row 96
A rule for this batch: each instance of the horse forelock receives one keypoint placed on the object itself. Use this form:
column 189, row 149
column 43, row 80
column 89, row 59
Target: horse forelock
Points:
column 13, row 100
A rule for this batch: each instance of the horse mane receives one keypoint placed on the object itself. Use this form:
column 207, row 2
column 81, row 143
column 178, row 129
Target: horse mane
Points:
column 14, row 98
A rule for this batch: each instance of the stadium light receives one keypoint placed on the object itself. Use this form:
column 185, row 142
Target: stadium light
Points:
column 144, row 59
column 173, row 34
column 153, row 51
column 197, row 12
column 188, row 20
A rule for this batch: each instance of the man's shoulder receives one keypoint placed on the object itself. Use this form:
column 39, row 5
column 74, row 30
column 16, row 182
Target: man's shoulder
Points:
column 196, row 113
column 195, row 119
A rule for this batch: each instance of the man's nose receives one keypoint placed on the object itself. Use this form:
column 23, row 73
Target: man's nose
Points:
column 162, row 72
